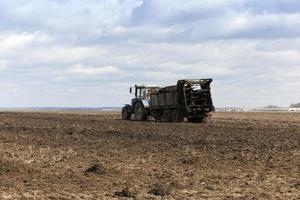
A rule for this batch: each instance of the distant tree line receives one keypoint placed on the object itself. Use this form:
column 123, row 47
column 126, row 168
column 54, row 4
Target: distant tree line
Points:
column 295, row 105
column 271, row 106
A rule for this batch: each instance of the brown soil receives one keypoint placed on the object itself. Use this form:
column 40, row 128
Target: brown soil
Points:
column 68, row 155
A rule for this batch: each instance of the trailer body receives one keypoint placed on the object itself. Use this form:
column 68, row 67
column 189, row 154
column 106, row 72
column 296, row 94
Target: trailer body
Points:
column 189, row 99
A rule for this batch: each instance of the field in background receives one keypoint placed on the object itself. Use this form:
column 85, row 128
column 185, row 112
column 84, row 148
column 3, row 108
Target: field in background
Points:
column 69, row 155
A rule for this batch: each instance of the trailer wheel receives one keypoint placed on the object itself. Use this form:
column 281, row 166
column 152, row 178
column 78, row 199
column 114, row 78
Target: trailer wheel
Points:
column 177, row 116
column 195, row 120
column 140, row 113
column 126, row 114
column 168, row 116
column 206, row 119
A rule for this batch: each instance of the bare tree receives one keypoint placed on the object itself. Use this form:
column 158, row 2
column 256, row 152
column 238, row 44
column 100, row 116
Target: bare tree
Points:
column 295, row 105
column 271, row 106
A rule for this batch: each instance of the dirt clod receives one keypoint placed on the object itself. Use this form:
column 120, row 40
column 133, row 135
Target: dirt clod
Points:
column 96, row 169
column 159, row 190
column 5, row 168
column 125, row 193
column 70, row 132
column 189, row 160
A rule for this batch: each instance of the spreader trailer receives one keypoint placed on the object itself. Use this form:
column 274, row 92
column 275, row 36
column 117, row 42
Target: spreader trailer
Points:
column 190, row 99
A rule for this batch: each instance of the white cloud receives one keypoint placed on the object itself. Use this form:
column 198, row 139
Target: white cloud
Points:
column 3, row 65
column 17, row 41
column 53, row 50
column 107, row 70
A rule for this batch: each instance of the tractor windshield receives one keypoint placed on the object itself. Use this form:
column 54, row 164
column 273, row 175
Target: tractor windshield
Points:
column 145, row 92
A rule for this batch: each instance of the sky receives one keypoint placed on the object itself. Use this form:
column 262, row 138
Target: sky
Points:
column 88, row 53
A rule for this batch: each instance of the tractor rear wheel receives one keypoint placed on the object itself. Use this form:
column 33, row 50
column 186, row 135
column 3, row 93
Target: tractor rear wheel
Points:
column 126, row 114
column 140, row 114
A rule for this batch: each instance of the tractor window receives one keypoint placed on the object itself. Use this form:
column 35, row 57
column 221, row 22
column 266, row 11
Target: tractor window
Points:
column 143, row 92
column 140, row 93
column 147, row 93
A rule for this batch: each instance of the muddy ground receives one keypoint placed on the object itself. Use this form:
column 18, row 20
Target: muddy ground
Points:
column 68, row 155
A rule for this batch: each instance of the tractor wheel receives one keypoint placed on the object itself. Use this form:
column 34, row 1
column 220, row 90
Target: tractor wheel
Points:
column 126, row 114
column 140, row 113
column 167, row 116
column 195, row 120
column 177, row 116
column 158, row 118
column 207, row 118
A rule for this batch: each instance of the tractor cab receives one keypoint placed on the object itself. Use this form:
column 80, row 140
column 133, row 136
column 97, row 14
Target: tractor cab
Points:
column 142, row 92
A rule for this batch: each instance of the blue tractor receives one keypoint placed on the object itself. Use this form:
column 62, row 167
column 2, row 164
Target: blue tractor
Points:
column 140, row 104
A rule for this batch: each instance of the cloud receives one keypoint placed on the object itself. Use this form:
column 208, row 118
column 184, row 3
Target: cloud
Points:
column 271, row 6
column 117, row 21
column 107, row 70
column 14, row 46
column 195, row 21
column 3, row 65
column 76, row 53
column 72, row 18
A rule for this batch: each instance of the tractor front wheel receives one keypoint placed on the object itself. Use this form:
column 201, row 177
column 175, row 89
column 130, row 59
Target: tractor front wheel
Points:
column 126, row 114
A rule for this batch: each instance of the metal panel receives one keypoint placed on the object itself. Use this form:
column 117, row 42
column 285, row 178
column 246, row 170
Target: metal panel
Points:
column 161, row 100
column 175, row 99
column 170, row 99
column 154, row 100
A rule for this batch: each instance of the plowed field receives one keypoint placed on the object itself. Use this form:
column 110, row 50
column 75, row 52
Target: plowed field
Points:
column 81, row 155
